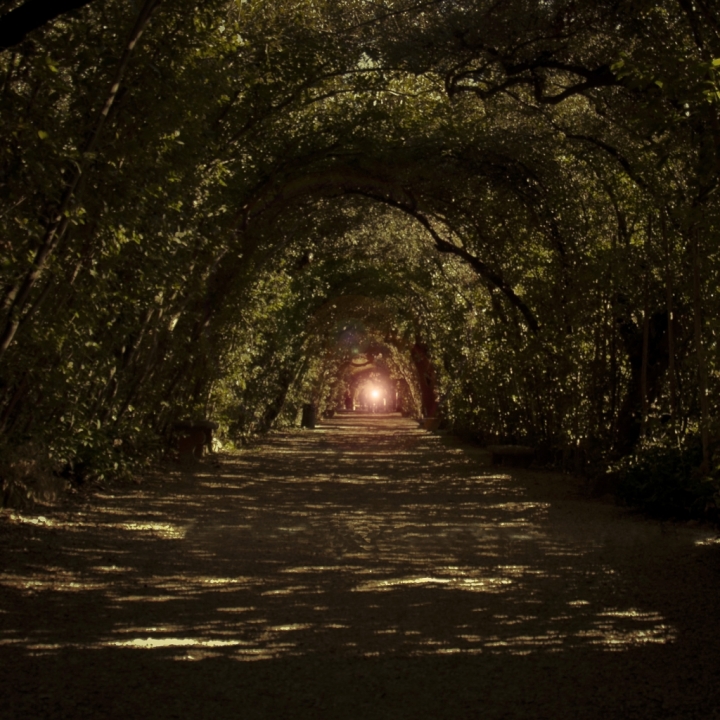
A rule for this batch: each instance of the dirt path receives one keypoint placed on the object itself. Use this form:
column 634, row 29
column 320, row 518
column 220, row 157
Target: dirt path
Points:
column 363, row 570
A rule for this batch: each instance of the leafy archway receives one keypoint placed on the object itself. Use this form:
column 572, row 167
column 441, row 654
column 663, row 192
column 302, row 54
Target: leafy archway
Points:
column 522, row 194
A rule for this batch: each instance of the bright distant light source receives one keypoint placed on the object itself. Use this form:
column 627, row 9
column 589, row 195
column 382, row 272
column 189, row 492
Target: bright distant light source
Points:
column 375, row 393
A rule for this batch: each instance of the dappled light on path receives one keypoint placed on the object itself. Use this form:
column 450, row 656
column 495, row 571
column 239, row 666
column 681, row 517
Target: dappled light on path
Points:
column 366, row 538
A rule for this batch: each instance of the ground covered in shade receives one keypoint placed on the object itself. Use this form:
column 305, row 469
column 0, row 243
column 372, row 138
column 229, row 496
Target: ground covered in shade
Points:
column 366, row 569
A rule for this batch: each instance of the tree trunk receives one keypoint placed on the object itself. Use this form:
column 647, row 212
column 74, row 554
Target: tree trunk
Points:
column 700, row 352
column 629, row 420
column 426, row 378
column 646, row 338
column 671, row 320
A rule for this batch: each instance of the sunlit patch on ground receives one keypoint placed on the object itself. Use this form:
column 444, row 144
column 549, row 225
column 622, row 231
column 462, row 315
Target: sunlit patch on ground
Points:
column 424, row 553
column 160, row 642
column 161, row 529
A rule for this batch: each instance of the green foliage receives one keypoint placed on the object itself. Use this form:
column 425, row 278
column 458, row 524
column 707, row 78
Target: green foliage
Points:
column 264, row 205
column 28, row 477
column 664, row 480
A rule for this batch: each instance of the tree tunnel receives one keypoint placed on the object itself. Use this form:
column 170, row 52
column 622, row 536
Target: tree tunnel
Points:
column 502, row 214
column 374, row 368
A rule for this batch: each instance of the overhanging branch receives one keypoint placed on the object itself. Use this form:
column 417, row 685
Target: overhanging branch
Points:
column 478, row 265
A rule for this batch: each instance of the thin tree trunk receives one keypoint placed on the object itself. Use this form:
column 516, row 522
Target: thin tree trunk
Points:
column 644, row 368
column 645, row 339
column 671, row 319
column 16, row 299
column 613, row 338
column 702, row 367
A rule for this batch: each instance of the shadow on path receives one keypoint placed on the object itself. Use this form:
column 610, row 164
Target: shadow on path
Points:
column 366, row 569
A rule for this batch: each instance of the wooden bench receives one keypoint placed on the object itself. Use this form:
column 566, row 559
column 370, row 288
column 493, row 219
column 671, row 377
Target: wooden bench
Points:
column 511, row 455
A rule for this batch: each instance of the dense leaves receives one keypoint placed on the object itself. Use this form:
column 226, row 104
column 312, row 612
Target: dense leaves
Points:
column 506, row 212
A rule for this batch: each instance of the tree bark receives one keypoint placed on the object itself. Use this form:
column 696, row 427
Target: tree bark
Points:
column 645, row 338
column 644, row 369
column 700, row 352
column 671, row 319
column 426, row 378
column 629, row 419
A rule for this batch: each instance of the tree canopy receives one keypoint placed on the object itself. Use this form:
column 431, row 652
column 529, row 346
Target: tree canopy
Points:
column 224, row 209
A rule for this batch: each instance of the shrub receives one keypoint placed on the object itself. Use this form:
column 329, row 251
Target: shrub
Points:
column 27, row 478
column 665, row 481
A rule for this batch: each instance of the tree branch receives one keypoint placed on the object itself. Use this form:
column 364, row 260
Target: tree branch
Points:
column 475, row 263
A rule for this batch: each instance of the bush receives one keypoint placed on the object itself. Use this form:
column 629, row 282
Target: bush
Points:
column 27, row 478
column 665, row 481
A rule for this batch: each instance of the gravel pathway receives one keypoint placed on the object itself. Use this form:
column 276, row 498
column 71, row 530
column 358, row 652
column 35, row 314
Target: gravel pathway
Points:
column 366, row 569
